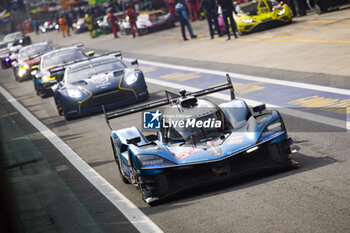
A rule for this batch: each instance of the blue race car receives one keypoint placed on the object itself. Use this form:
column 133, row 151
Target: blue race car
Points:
column 198, row 142
column 100, row 80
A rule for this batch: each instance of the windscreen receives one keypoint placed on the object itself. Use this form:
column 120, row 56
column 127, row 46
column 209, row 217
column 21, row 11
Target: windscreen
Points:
column 251, row 8
column 213, row 125
column 12, row 37
column 87, row 70
column 61, row 58
column 33, row 50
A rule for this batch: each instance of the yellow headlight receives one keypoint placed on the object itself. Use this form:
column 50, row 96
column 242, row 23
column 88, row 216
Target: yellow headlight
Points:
column 45, row 78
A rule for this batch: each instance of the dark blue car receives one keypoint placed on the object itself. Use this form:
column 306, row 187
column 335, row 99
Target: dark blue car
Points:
column 102, row 80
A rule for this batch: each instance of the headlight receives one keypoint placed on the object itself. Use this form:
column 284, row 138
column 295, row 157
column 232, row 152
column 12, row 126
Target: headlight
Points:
column 7, row 59
column 248, row 20
column 22, row 72
column 153, row 161
column 281, row 12
column 24, row 67
column 130, row 77
column 45, row 78
column 20, row 41
column 74, row 93
column 273, row 129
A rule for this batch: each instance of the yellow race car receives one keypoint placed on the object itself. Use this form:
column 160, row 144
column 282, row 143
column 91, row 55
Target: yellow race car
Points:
column 257, row 15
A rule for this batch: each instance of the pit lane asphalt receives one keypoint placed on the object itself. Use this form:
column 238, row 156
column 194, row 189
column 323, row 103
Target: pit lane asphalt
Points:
column 312, row 198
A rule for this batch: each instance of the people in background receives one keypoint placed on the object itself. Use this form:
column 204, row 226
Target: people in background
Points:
column 193, row 9
column 131, row 14
column 63, row 25
column 182, row 14
column 210, row 9
column 88, row 20
column 227, row 9
column 112, row 20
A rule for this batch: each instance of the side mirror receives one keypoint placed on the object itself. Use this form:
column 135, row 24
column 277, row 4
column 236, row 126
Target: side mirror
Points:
column 259, row 108
column 133, row 141
column 134, row 62
column 90, row 53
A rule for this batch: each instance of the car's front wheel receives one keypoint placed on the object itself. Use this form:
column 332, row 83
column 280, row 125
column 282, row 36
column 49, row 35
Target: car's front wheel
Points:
column 126, row 181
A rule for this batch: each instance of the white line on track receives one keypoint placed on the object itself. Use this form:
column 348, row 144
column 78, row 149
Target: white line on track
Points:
column 252, row 78
column 308, row 116
column 130, row 211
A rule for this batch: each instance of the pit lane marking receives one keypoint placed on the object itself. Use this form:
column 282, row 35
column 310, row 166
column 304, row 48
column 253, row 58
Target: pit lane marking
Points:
column 314, row 41
column 243, row 88
column 249, row 77
column 136, row 217
column 181, row 76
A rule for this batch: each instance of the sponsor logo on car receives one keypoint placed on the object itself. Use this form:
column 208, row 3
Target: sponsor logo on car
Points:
column 151, row 120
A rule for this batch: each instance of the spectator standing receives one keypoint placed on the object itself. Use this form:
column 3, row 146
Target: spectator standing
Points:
column 210, row 11
column 112, row 20
column 192, row 5
column 70, row 19
column 297, row 4
column 227, row 9
column 88, row 20
column 131, row 14
column 182, row 14
column 63, row 25
column 171, row 8
column 36, row 26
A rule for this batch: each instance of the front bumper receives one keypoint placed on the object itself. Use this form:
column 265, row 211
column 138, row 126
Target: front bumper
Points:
column 45, row 87
column 173, row 180
column 5, row 64
column 110, row 100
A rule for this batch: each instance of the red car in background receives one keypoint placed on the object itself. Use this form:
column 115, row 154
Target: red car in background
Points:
column 28, row 57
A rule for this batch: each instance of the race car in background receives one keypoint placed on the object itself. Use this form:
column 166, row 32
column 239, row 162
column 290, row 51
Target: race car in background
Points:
column 28, row 57
column 103, row 24
column 148, row 21
column 198, row 142
column 49, row 25
column 5, row 56
column 100, row 80
column 258, row 15
column 16, row 39
column 52, row 67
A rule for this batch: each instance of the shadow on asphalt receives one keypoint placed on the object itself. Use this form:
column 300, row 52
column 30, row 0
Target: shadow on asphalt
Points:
column 306, row 163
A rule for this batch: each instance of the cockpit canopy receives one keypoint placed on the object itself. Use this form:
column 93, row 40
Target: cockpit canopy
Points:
column 198, row 122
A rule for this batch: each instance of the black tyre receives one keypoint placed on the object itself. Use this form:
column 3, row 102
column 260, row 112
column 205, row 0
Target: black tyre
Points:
column 126, row 181
column 15, row 74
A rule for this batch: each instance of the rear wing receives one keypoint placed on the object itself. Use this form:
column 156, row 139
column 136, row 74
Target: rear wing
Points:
column 169, row 100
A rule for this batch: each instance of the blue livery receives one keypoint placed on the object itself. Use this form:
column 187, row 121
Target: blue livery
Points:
column 199, row 143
